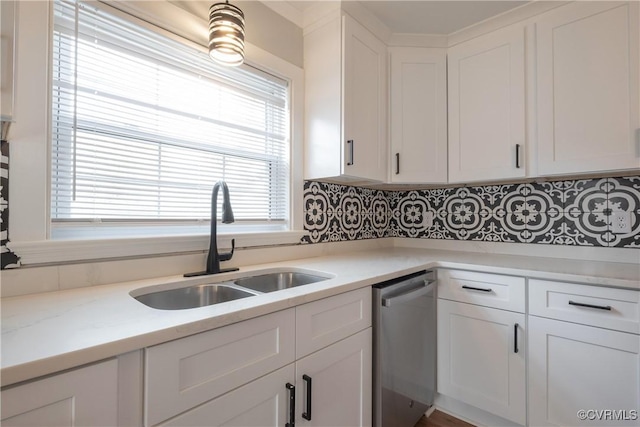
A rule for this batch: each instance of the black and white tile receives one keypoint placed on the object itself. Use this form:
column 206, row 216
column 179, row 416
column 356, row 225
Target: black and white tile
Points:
column 623, row 194
column 564, row 212
column 585, row 219
column 7, row 257
column 336, row 212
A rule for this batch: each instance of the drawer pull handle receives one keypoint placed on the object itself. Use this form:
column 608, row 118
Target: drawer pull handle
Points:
column 351, row 159
column 292, row 405
column 515, row 338
column 307, row 415
column 599, row 307
column 477, row 289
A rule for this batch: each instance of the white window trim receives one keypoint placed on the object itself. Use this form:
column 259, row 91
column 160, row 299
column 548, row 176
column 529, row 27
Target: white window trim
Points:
column 29, row 213
column 69, row 251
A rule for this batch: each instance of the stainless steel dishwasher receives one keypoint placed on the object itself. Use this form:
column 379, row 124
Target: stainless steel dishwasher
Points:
column 404, row 349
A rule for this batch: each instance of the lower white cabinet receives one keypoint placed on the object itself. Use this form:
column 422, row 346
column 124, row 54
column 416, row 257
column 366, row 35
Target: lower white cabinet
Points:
column 481, row 358
column 243, row 374
column 332, row 388
column 85, row 396
column 185, row 373
column 260, row 403
column 576, row 368
column 326, row 321
column 333, row 385
column 584, row 355
column 569, row 357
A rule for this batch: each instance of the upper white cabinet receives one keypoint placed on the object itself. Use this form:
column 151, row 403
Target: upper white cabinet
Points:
column 588, row 88
column 346, row 102
column 487, row 107
column 418, row 115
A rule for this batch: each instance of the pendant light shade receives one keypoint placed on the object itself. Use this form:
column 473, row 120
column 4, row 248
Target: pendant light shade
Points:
column 226, row 34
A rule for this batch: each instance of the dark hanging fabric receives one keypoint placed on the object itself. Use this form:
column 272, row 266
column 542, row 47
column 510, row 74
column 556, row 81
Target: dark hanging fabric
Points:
column 8, row 259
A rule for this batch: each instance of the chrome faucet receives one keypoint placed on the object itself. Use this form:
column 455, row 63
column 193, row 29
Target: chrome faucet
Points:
column 214, row 258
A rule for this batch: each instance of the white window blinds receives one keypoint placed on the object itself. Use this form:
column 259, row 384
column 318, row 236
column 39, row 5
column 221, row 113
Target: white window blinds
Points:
column 144, row 125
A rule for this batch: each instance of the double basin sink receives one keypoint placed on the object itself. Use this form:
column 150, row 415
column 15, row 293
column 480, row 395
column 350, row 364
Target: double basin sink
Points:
column 215, row 293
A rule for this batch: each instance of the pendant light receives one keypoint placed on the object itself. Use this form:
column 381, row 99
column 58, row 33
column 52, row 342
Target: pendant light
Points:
column 226, row 34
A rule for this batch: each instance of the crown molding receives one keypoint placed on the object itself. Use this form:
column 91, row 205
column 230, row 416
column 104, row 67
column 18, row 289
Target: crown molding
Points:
column 418, row 40
column 513, row 16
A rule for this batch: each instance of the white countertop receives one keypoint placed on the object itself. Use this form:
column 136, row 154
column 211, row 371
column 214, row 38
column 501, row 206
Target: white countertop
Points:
column 50, row 332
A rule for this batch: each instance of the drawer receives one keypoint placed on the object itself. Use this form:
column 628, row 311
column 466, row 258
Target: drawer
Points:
column 488, row 290
column 187, row 372
column 323, row 322
column 616, row 309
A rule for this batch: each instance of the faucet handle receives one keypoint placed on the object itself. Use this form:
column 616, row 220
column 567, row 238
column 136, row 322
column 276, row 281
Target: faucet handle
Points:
column 228, row 255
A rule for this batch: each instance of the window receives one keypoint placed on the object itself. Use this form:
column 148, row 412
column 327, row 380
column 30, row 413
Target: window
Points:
column 144, row 125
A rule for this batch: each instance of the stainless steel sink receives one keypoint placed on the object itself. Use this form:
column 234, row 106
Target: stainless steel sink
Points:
column 201, row 295
column 193, row 296
column 271, row 282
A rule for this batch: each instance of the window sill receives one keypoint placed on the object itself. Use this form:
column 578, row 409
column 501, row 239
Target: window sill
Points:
column 70, row 251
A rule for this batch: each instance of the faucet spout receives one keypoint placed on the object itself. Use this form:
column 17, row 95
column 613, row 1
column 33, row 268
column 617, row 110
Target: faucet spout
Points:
column 214, row 258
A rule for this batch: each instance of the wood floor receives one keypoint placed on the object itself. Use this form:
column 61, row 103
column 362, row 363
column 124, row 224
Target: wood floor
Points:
column 440, row 419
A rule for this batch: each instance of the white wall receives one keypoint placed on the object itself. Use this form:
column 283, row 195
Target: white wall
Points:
column 264, row 28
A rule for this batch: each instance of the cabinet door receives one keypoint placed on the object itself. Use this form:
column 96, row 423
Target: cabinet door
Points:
column 418, row 115
column 323, row 322
column 81, row 397
column 340, row 384
column 574, row 367
column 261, row 403
column 487, row 107
column 184, row 373
column 364, row 102
column 477, row 359
column 588, row 87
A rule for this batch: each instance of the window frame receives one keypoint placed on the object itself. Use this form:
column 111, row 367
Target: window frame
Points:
column 30, row 143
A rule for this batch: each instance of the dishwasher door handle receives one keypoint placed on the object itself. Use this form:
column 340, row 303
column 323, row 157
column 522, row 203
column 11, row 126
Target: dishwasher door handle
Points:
column 413, row 293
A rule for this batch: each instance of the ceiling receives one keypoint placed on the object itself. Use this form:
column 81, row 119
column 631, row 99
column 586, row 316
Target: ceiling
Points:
column 429, row 17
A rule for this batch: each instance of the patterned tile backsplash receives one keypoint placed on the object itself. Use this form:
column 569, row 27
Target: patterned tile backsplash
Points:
column 576, row 212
